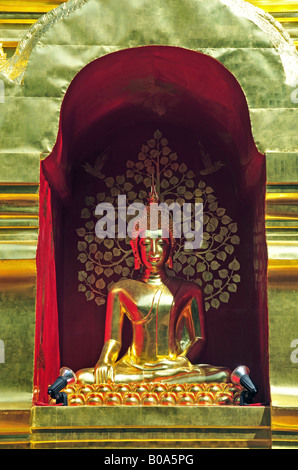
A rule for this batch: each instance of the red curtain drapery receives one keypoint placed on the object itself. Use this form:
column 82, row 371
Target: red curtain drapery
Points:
column 47, row 356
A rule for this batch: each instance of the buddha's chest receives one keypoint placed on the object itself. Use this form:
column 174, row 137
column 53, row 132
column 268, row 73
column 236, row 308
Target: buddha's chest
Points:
column 153, row 318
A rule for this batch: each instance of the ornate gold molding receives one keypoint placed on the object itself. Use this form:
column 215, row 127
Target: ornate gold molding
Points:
column 29, row 6
column 282, row 198
column 275, row 6
column 17, row 274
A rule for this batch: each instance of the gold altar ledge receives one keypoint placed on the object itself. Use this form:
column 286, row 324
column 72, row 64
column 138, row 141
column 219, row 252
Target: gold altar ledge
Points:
column 134, row 427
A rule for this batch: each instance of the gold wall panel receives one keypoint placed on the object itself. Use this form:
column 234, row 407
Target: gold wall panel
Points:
column 19, row 221
column 15, row 427
column 17, row 307
column 25, row 13
column 282, row 227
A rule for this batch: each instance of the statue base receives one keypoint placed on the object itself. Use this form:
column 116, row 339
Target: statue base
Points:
column 150, row 427
column 151, row 416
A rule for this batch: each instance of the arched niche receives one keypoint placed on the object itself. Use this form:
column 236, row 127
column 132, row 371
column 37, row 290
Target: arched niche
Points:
column 113, row 107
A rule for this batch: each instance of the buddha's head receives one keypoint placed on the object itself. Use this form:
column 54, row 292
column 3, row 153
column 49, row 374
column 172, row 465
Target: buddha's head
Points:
column 153, row 240
column 154, row 249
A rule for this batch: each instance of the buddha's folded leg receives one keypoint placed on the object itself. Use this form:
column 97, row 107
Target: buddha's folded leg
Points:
column 196, row 374
column 125, row 373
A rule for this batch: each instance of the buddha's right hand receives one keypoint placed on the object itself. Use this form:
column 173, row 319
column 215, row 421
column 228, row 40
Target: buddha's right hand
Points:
column 104, row 372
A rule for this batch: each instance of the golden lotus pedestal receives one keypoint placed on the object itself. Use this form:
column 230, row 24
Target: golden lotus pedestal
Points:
column 153, row 394
column 159, row 416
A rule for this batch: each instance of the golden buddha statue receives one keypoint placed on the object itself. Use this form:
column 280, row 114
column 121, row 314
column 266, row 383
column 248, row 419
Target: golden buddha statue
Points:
column 167, row 317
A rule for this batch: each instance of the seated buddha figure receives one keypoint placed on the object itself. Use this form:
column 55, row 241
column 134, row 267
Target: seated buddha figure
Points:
column 167, row 318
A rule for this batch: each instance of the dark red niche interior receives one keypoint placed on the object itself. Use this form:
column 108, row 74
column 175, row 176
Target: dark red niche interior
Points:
column 118, row 101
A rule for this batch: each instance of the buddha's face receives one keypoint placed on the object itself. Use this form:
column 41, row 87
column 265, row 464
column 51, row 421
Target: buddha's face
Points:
column 154, row 249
